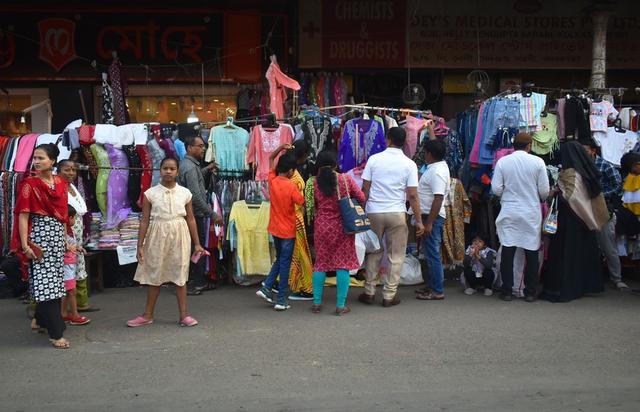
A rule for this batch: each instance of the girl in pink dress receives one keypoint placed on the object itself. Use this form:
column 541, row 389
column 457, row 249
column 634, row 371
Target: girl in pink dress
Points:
column 335, row 250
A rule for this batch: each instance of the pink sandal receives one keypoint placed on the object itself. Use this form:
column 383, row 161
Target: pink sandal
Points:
column 139, row 321
column 188, row 321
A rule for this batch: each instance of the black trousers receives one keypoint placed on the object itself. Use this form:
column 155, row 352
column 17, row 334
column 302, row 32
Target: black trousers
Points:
column 486, row 281
column 196, row 270
column 530, row 271
column 48, row 316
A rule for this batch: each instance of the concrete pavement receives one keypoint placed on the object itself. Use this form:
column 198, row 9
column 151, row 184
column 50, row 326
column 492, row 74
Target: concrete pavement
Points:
column 466, row 353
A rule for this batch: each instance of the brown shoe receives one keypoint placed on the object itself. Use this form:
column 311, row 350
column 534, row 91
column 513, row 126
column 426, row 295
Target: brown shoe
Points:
column 425, row 289
column 367, row 299
column 387, row 303
column 316, row 308
column 342, row 311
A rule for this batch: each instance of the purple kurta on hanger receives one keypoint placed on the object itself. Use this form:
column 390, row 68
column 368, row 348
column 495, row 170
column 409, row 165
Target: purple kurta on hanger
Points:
column 118, row 207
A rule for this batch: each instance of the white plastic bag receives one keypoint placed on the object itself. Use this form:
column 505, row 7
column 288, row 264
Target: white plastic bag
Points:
column 411, row 273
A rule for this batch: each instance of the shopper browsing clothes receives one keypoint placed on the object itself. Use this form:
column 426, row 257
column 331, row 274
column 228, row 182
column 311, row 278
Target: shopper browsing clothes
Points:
column 192, row 177
column 167, row 230
column 434, row 185
column 300, row 276
column 335, row 250
column 284, row 197
column 67, row 170
column 390, row 178
column 520, row 180
column 74, row 249
column 573, row 268
column 611, row 184
column 39, row 239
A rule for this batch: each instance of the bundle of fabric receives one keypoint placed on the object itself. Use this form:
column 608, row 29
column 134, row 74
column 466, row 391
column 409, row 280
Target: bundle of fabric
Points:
column 109, row 238
column 129, row 230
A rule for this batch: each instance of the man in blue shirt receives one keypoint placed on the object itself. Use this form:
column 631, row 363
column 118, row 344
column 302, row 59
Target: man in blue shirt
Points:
column 611, row 183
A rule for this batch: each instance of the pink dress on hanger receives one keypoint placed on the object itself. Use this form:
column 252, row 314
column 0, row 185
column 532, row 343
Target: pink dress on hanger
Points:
column 263, row 142
column 277, row 83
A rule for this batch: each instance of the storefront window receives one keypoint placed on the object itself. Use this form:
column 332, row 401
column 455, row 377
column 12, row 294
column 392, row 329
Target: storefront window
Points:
column 176, row 109
column 11, row 108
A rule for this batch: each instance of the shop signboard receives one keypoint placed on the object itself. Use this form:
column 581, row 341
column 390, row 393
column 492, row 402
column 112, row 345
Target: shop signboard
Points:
column 68, row 45
column 465, row 34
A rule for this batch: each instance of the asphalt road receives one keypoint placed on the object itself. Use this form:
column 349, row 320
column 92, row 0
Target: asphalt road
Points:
column 466, row 353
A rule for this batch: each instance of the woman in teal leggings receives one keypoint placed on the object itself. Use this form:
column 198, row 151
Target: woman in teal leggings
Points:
column 335, row 250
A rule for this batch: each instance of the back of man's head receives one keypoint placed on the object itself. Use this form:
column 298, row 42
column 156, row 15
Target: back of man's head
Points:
column 436, row 148
column 397, row 136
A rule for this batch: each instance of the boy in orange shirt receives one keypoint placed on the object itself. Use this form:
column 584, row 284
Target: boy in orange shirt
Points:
column 284, row 195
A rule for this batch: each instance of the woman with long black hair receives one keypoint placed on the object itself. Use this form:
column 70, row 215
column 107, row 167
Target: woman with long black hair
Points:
column 335, row 250
column 39, row 239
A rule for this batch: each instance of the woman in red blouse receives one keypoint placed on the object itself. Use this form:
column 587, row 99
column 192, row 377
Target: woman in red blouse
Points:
column 39, row 240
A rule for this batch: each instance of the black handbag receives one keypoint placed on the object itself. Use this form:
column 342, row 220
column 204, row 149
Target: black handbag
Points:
column 354, row 218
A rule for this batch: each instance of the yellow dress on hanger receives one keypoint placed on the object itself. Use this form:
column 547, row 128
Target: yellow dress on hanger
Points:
column 252, row 237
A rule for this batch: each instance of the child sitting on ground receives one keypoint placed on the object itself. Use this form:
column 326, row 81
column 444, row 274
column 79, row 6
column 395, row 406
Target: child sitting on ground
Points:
column 69, row 305
column 478, row 266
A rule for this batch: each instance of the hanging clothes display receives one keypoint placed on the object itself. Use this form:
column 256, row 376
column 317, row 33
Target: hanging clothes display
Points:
column 263, row 142
column 361, row 138
column 458, row 210
column 278, row 81
column 102, row 159
column 107, row 101
column 228, row 147
column 120, row 90
column 247, row 232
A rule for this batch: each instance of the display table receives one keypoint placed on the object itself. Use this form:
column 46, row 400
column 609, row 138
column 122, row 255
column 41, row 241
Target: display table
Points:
column 94, row 264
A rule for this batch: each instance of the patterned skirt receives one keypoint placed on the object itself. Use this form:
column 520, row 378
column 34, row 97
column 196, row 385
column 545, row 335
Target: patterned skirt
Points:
column 45, row 276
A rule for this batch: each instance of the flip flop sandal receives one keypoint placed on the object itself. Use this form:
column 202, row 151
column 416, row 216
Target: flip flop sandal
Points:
column 36, row 328
column 316, row 308
column 139, row 321
column 188, row 321
column 429, row 296
column 61, row 343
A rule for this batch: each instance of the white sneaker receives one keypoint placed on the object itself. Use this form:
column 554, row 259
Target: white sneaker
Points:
column 622, row 286
column 264, row 296
column 469, row 291
column 281, row 307
column 488, row 292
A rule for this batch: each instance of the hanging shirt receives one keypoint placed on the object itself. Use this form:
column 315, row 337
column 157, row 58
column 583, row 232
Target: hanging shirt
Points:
column 248, row 229
column 277, row 83
column 520, row 179
column 228, row 147
column 546, row 137
column 614, row 144
column 361, row 139
column 263, row 143
column 412, row 127
column 599, row 112
column 530, row 109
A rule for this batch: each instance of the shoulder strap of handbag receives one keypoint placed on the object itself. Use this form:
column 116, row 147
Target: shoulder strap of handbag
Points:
column 338, row 184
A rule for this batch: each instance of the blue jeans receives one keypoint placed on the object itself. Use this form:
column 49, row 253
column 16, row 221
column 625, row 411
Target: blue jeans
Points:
column 282, row 266
column 431, row 248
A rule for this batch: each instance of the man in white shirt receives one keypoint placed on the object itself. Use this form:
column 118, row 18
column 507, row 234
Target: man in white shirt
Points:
column 434, row 185
column 389, row 180
column 520, row 179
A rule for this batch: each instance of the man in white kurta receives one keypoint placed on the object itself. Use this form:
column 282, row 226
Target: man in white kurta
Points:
column 520, row 179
